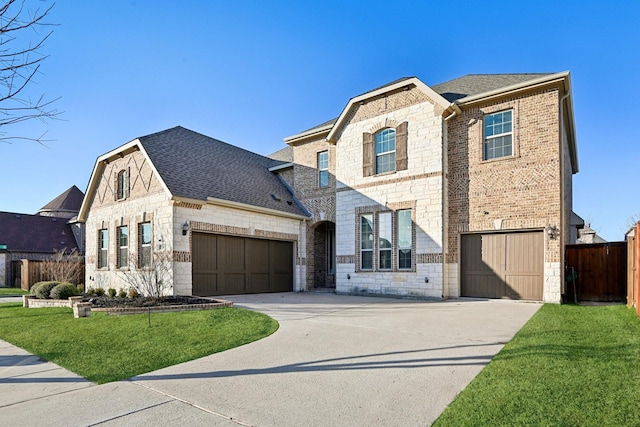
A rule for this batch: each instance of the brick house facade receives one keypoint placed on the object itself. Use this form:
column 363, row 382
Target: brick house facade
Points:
column 460, row 189
column 443, row 180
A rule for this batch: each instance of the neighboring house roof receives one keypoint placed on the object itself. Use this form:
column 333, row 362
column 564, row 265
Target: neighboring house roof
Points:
column 474, row 84
column 69, row 201
column 193, row 166
column 35, row 233
column 589, row 235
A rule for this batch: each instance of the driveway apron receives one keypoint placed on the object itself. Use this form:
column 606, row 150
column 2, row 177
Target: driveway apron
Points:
column 335, row 360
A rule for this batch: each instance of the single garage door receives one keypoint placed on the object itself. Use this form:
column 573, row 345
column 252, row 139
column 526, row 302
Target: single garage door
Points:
column 502, row 265
column 230, row 265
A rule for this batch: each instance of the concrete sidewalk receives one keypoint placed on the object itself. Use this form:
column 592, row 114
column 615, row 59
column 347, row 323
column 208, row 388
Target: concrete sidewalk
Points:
column 336, row 360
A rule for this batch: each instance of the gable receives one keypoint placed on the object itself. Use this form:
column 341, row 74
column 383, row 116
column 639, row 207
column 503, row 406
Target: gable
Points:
column 392, row 97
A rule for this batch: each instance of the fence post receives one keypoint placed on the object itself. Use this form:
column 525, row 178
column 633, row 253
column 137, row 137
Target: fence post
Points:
column 636, row 265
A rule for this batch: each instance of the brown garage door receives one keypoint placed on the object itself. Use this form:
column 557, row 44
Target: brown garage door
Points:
column 230, row 265
column 502, row 265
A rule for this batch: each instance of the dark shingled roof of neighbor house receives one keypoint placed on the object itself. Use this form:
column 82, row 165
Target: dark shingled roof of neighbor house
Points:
column 35, row 233
column 69, row 201
column 196, row 166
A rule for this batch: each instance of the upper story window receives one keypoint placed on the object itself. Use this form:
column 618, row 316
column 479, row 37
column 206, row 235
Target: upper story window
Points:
column 123, row 246
column 103, row 248
column 385, row 142
column 498, row 135
column 122, row 185
column 144, row 244
column 385, row 151
column 323, row 169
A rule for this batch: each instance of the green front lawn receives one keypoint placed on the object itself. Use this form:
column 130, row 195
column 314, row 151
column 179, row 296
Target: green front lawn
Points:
column 105, row 348
column 12, row 291
column 569, row 366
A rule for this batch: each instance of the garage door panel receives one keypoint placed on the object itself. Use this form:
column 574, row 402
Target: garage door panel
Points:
column 523, row 287
column 227, row 265
column 502, row 265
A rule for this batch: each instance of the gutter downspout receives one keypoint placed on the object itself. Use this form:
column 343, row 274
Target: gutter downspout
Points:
column 445, row 200
column 562, row 195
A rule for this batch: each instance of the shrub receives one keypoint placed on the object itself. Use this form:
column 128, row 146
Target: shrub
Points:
column 80, row 288
column 43, row 289
column 35, row 287
column 122, row 293
column 63, row 291
column 99, row 292
column 133, row 293
column 111, row 292
column 90, row 291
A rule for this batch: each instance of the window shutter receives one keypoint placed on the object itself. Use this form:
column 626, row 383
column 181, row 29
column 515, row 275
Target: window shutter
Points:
column 128, row 189
column 401, row 146
column 367, row 154
column 115, row 186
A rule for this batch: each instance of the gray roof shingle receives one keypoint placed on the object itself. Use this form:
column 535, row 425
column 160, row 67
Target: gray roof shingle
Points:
column 35, row 233
column 474, row 84
column 196, row 166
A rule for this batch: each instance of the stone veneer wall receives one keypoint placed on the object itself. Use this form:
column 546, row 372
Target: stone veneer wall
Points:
column 419, row 187
column 147, row 202
column 520, row 192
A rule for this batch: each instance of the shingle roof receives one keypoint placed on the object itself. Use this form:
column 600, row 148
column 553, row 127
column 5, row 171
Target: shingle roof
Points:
column 196, row 166
column 69, row 201
column 284, row 155
column 35, row 233
column 474, row 84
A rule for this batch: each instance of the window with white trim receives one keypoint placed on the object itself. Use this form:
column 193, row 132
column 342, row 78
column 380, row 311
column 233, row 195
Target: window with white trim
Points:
column 323, row 169
column 366, row 242
column 103, row 248
column 385, row 240
column 123, row 246
column 405, row 239
column 498, row 135
column 144, row 244
column 385, row 146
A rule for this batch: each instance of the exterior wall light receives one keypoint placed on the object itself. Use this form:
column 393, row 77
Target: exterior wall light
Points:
column 552, row 232
column 185, row 228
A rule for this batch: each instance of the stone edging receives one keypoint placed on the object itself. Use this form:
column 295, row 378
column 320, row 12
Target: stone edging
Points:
column 219, row 303
column 84, row 309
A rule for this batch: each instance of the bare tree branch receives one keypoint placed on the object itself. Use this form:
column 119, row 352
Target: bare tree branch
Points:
column 20, row 61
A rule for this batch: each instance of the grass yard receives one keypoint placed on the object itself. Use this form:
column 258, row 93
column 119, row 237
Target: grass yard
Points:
column 105, row 348
column 12, row 291
column 568, row 366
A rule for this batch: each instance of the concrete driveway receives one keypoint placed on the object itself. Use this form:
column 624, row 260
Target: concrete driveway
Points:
column 336, row 360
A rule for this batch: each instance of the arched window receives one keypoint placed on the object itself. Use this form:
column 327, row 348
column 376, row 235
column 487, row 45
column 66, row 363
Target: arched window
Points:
column 385, row 146
column 122, row 184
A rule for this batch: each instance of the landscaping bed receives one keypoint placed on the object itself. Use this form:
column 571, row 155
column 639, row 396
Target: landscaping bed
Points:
column 108, row 302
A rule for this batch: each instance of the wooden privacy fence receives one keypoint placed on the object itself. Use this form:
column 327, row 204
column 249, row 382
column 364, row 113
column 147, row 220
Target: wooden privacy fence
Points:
column 596, row 272
column 32, row 271
column 633, row 267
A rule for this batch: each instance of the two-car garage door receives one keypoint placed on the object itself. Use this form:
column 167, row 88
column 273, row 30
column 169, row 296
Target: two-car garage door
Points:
column 231, row 265
column 502, row 265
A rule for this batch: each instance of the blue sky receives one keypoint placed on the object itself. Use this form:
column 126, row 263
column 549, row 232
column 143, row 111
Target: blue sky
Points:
column 254, row 72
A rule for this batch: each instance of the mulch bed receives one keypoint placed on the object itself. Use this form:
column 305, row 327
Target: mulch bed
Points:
column 117, row 302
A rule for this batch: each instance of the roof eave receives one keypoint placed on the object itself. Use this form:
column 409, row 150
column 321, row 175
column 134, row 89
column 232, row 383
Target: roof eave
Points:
column 507, row 90
column 281, row 166
column 315, row 132
column 253, row 208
